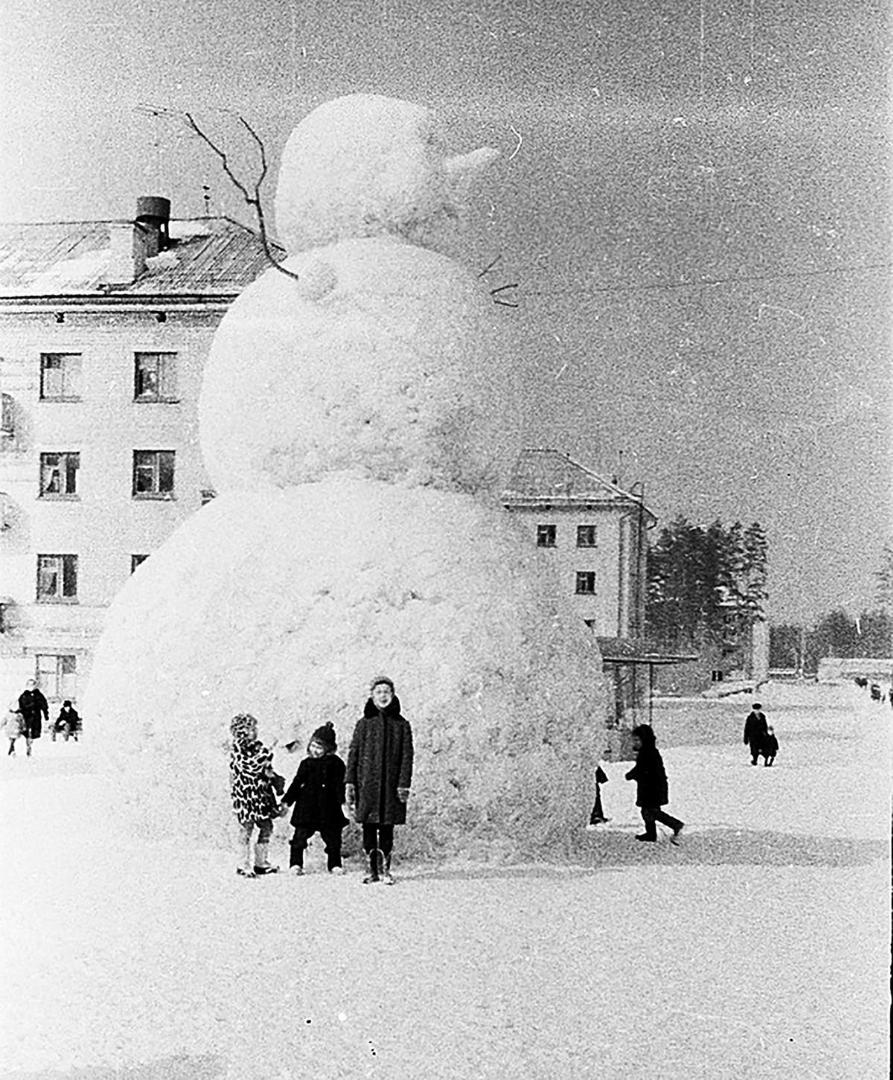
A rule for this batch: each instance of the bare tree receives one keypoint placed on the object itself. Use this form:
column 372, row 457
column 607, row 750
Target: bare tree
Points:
column 250, row 195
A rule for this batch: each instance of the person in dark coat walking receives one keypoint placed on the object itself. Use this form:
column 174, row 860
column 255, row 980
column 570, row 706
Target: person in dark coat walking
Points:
column 34, row 708
column 770, row 747
column 379, row 775
column 651, row 785
column 756, row 728
column 317, row 793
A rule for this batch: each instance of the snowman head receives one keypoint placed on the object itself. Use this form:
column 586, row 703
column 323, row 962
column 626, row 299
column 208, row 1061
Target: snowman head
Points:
column 366, row 165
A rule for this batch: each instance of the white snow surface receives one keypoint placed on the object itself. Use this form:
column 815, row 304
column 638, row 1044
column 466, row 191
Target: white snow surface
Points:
column 757, row 950
column 368, row 165
column 286, row 603
column 382, row 359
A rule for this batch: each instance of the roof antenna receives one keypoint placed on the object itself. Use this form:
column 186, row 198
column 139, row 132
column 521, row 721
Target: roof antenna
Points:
column 206, row 195
column 619, row 473
column 150, row 110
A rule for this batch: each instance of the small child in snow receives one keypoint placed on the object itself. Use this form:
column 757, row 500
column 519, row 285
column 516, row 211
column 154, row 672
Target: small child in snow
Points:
column 770, row 747
column 651, row 785
column 12, row 726
column 254, row 787
column 379, row 775
column 317, row 793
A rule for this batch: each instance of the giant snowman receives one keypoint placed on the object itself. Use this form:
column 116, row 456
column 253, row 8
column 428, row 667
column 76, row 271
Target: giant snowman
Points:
column 350, row 417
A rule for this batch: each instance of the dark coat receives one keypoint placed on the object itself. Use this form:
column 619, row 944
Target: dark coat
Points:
column 33, row 705
column 317, row 792
column 650, row 777
column 379, row 762
column 68, row 718
column 756, row 728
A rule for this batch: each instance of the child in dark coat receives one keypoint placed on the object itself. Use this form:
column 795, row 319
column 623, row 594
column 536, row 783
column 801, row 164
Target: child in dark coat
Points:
column 379, row 775
column 651, row 785
column 317, row 792
column 770, row 747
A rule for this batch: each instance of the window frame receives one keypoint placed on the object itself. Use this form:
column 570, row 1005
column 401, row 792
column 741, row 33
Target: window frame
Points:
column 546, row 536
column 68, row 392
column 592, row 531
column 166, row 371
column 66, row 572
column 155, row 492
column 57, row 673
column 585, row 578
column 64, row 470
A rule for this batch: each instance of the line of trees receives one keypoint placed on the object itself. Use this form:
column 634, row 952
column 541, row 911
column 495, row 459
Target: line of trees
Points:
column 838, row 633
column 705, row 584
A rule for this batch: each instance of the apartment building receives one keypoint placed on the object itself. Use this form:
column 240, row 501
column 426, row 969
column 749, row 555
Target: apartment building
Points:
column 104, row 331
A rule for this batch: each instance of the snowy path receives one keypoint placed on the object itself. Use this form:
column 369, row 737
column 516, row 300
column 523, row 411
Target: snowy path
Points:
column 758, row 949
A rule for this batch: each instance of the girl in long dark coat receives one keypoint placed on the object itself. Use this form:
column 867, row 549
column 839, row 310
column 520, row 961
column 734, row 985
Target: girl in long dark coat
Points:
column 379, row 775
column 651, row 785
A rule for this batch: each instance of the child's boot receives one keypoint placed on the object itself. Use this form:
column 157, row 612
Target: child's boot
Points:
column 261, row 863
column 244, row 869
column 374, row 864
column 386, row 876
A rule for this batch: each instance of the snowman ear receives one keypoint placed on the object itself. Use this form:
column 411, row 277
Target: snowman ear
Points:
column 317, row 280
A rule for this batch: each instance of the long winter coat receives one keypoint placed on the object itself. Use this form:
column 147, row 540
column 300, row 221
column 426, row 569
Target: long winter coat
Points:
column 12, row 724
column 33, row 705
column 756, row 728
column 379, row 762
column 650, row 777
column 317, row 792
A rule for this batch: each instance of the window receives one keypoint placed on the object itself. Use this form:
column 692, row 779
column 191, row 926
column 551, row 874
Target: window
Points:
column 57, row 675
column 153, row 473
column 7, row 415
column 60, row 376
column 155, row 376
column 716, row 676
column 545, row 536
column 135, row 561
column 57, row 577
column 59, row 474
column 585, row 536
column 585, row 582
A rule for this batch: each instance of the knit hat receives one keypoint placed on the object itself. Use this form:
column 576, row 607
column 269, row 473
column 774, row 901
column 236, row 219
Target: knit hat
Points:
column 240, row 724
column 381, row 679
column 325, row 736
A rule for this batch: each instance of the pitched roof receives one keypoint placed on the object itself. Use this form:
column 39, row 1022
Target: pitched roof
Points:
column 542, row 475
column 213, row 257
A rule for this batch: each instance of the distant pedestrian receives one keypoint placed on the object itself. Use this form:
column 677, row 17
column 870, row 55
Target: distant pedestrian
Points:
column 254, row 794
column 35, row 710
column 68, row 722
column 770, row 747
column 652, row 790
column 597, row 817
column 379, row 775
column 756, row 727
column 12, row 726
column 317, row 793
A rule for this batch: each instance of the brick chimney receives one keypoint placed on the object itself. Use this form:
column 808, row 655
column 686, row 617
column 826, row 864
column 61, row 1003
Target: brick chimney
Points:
column 131, row 243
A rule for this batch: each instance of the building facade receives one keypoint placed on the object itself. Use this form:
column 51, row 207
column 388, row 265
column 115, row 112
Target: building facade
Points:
column 590, row 533
column 104, row 332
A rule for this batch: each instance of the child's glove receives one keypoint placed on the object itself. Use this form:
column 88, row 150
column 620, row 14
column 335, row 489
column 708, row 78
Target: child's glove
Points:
column 402, row 793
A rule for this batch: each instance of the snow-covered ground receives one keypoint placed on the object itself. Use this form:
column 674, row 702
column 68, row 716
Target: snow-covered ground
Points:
column 758, row 948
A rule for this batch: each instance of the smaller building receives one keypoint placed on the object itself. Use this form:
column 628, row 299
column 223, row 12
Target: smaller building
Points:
column 591, row 535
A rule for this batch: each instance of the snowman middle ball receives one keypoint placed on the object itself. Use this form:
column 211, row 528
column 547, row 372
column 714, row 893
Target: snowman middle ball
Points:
column 380, row 361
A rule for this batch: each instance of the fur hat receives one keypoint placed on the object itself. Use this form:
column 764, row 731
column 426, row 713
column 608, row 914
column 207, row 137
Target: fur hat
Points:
column 325, row 736
column 382, row 679
column 240, row 725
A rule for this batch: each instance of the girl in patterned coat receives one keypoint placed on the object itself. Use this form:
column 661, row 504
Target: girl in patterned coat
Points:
column 254, row 787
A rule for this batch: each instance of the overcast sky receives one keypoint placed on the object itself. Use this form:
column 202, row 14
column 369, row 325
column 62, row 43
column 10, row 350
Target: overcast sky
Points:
column 693, row 196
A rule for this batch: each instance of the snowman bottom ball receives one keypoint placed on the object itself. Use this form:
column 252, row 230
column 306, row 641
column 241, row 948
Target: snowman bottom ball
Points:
column 285, row 604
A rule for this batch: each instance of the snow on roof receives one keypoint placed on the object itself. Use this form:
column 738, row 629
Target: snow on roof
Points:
column 543, row 474
column 214, row 257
